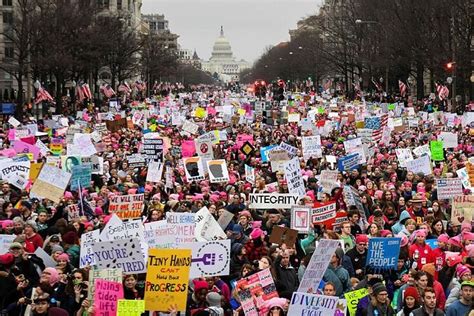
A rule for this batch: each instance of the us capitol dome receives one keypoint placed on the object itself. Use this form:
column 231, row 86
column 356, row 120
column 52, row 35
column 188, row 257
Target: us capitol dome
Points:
column 222, row 63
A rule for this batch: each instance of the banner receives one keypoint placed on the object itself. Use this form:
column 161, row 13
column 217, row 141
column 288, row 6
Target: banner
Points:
column 81, row 177
column 353, row 299
column 106, row 295
column 317, row 265
column 311, row 147
column 348, row 162
column 300, row 219
column 448, row 188
column 167, row 279
column 273, row 200
column 50, row 183
column 420, row 165
column 87, row 257
column 153, row 147
column 207, row 227
column 383, row 253
column 324, row 213
column 259, row 285
column 125, row 254
column 218, row 171
column 294, row 178
column 463, row 207
column 437, row 151
column 210, row 258
column 130, row 307
column 194, row 168
column 305, row 304
column 126, row 206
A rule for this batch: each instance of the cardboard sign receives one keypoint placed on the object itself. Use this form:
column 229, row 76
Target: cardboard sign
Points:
column 273, row 200
column 448, row 188
column 106, row 295
column 463, row 207
column 50, row 183
column 125, row 254
column 301, row 219
column 294, row 178
column 115, row 126
column 207, row 228
column 311, row 147
column 194, row 168
column 130, row 307
column 167, row 279
column 218, row 171
column 309, row 304
column 317, row 265
column 127, row 206
column 87, row 257
column 190, row 127
column 383, row 253
column 283, row 235
column 210, row 258
column 260, row 285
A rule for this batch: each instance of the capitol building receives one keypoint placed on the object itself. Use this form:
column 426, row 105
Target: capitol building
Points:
column 222, row 61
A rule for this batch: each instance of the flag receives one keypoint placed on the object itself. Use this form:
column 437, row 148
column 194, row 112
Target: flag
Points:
column 443, row 91
column 357, row 91
column 140, row 85
column 43, row 95
column 403, row 88
column 79, row 93
column 377, row 85
column 87, row 91
column 327, row 85
column 107, row 90
column 378, row 132
column 124, row 87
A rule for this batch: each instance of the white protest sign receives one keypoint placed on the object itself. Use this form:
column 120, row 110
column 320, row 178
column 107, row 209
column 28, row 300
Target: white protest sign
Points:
column 183, row 226
column 13, row 121
column 404, row 155
column 422, row 150
column 450, row 140
column 328, row 180
column 218, row 171
column 96, row 163
column 194, row 168
column 290, row 149
column 317, row 265
column 159, row 234
column 204, row 148
column 9, row 168
column 5, row 241
column 249, row 174
column 87, row 254
column 422, row 164
column 84, row 144
column 355, row 146
column 155, row 171
column 312, row 147
column 463, row 175
column 190, row 127
column 116, row 229
column 210, row 258
column 301, row 218
column 312, row 304
column 126, row 254
column 42, row 147
column 273, row 200
column 47, row 260
column 207, row 227
column 448, row 188
column 294, row 178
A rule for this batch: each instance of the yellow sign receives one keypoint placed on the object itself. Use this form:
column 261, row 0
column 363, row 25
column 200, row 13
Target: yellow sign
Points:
column 130, row 307
column 167, row 279
column 353, row 298
column 56, row 149
column 241, row 112
column 200, row 112
column 35, row 168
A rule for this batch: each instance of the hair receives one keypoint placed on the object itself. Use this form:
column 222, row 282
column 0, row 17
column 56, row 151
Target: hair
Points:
column 332, row 234
column 247, row 266
column 428, row 290
column 352, row 213
column 410, row 221
column 330, row 283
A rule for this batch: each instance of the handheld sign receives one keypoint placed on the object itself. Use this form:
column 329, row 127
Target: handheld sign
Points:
column 383, row 253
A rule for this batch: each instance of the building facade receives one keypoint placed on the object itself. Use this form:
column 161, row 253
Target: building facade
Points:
column 222, row 64
column 159, row 26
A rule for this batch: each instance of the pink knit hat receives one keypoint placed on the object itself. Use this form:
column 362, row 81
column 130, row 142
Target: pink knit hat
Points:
column 443, row 238
column 64, row 256
column 276, row 302
column 54, row 275
column 257, row 233
column 461, row 270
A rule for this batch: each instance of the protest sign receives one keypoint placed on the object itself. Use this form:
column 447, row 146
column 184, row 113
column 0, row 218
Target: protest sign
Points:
column 218, row 171
column 183, row 226
column 317, row 265
column 106, row 295
column 126, row 206
column 420, row 165
column 328, row 180
column 273, row 200
column 353, row 299
column 404, row 155
column 382, row 253
column 463, row 207
column 249, row 174
column 225, row 218
column 450, row 140
column 96, row 163
column 464, row 176
column 353, row 146
column 81, row 177
column 210, row 258
column 188, row 148
column 259, row 285
column 203, row 148
column 312, row 304
column 47, row 259
column 5, row 241
column 73, row 212
column 167, row 279
column 311, row 147
column 288, row 148
column 67, row 162
column 448, row 188
column 194, row 168
column 301, row 218
column 125, row 254
column 283, row 235
column 190, row 127
column 116, row 125
column 83, row 143
column 51, row 183
column 437, row 151
column 136, row 160
column 116, row 229
column 87, row 257
column 103, row 274
column 8, row 168
column 294, row 178
column 348, row 162
column 264, row 152
column 324, row 213
column 130, row 307
column 207, row 227
column 153, row 147
column 155, row 171
column 22, row 148
column 159, row 234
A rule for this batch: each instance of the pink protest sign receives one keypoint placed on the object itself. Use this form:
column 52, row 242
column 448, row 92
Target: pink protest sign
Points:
column 30, row 139
column 106, row 295
column 242, row 138
column 211, row 110
column 188, row 148
column 9, row 152
column 24, row 148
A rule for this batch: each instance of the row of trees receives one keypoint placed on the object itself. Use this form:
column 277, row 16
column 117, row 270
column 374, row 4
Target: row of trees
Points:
column 62, row 41
column 388, row 40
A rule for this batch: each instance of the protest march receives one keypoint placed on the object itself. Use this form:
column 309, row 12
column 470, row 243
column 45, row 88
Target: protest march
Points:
column 130, row 211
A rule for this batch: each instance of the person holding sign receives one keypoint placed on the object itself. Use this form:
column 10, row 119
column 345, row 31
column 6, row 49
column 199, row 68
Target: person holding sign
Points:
column 420, row 252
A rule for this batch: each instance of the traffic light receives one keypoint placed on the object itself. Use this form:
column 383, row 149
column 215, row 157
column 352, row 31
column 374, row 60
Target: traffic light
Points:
column 449, row 65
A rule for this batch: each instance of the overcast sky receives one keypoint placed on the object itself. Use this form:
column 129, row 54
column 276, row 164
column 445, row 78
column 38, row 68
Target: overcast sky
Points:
column 249, row 25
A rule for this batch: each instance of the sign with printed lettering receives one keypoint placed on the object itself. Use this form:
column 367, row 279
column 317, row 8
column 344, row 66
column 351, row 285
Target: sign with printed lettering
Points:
column 210, row 258
column 125, row 254
column 383, row 253
column 448, row 188
column 273, row 200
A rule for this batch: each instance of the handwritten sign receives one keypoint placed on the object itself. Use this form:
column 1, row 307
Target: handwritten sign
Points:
column 207, row 228
column 353, row 299
column 127, row 206
column 312, row 147
column 104, row 274
column 87, row 254
column 420, row 165
column 130, row 307
column 51, row 183
column 125, row 254
column 437, row 151
column 463, row 207
column 106, row 295
column 294, row 178
column 312, row 304
column 167, row 279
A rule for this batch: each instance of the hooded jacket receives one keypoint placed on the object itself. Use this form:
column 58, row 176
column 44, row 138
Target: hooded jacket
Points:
column 399, row 226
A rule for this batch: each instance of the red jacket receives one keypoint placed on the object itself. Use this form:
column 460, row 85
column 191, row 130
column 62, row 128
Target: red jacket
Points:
column 33, row 243
column 424, row 254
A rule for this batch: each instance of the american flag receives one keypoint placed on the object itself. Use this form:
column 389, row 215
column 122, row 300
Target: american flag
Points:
column 124, row 87
column 327, row 85
column 379, row 124
column 357, row 91
column 107, row 90
column 403, row 88
column 377, row 85
column 443, row 91
column 43, row 95
column 140, row 85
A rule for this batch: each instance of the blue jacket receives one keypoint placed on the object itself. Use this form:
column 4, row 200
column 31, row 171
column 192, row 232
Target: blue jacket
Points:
column 398, row 226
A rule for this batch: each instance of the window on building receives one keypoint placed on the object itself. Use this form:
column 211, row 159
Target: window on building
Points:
column 119, row 4
column 161, row 25
column 9, row 52
column 8, row 18
column 8, row 3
